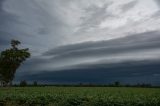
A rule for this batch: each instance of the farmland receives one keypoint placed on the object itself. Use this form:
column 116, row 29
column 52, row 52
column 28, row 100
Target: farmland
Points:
column 79, row 96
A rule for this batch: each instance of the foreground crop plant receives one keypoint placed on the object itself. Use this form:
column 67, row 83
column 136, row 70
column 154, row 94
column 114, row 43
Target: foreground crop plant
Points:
column 10, row 60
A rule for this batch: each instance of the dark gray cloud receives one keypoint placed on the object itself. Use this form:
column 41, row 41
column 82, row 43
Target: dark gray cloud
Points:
column 29, row 22
column 158, row 2
column 142, row 41
column 129, row 5
column 4, row 40
column 138, row 47
column 96, row 15
column 5, row 20
column 132, row 72
column 156, row 15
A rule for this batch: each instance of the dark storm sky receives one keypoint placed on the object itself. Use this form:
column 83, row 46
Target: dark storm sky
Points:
column 95, row 41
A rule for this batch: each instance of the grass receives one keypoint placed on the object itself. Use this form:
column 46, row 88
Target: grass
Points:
column 79, row 96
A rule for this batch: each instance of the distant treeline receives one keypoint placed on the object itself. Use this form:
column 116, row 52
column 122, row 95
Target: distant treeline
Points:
column 115, row 84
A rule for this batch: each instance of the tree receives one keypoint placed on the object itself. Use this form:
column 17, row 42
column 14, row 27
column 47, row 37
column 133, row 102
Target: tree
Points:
column 10, row 61
column 35, row 83
column 23, row 83
column 117, row 83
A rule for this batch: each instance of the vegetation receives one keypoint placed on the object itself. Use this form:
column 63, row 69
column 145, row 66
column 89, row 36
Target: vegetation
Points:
column 23, row 83
column 115, row 84
column 10, row 60
column 35, row 83
column 79, row 96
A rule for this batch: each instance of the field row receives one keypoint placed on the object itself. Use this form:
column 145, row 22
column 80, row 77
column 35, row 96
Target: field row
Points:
column 79, row 96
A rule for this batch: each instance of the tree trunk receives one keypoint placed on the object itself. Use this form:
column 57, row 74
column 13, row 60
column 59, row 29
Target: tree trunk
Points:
column 0, row 83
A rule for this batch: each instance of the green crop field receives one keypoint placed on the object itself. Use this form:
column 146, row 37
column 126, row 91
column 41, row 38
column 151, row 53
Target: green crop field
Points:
column 79, row 96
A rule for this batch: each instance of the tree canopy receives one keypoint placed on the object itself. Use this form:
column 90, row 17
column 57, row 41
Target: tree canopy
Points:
column 10, row 60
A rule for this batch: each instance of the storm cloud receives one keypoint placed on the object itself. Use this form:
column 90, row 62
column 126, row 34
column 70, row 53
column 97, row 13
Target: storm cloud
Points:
column 65, row 36
column 135, row 47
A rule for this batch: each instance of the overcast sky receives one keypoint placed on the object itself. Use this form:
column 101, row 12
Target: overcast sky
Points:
column 76, row 35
